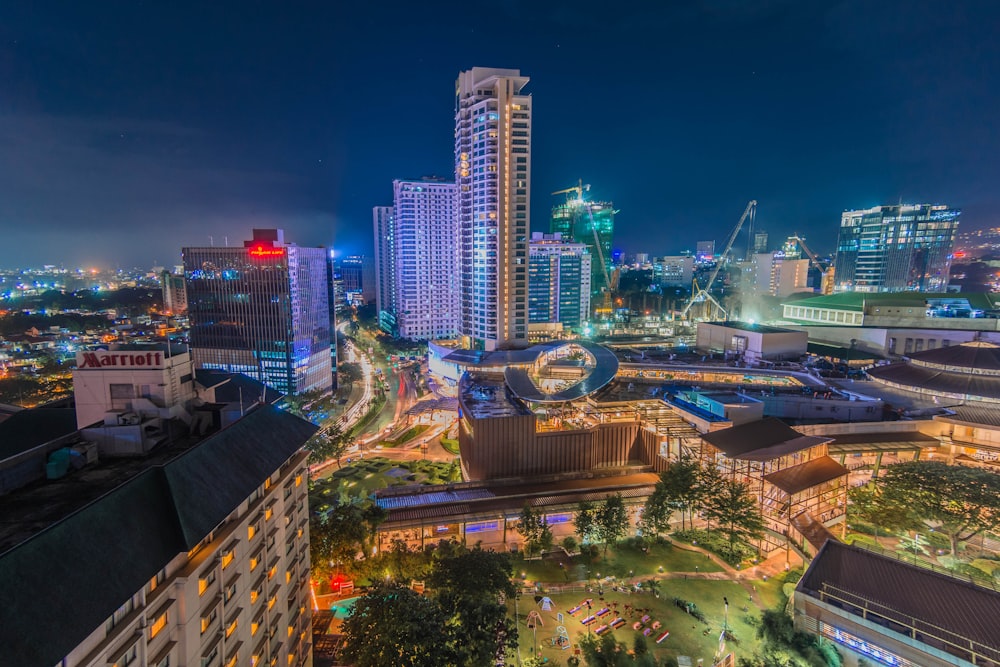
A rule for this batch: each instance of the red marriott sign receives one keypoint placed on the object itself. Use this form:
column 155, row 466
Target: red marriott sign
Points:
column 120, row 360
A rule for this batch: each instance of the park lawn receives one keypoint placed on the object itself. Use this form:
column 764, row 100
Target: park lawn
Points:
column 624, row 561
column 688, row 636
column 362, row 478
column 769, row 592
column 408, row 434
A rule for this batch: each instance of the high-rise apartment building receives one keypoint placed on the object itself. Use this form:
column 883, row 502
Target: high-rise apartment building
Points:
column 759, row 242
column 705, row 251
column 174, row 293
column 426, row 282
column 674, row 270
column 262, row 310
column 385, row 262
column 558, row 280
column 173, row 531
column 778, row 274
column 896, row 248
column 493, row 176
column 582, row 221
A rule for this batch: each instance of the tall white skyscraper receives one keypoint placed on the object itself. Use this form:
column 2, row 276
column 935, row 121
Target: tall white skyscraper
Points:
column 493, row 173
column 426, row 277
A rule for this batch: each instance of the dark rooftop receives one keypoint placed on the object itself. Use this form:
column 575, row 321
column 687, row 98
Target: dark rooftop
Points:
column 938, row 381
column 72, row 549
column 761, row 440
column 907, row 592
column 26, row 429
column 747, row 326
column 806, row 475
column 974, row 356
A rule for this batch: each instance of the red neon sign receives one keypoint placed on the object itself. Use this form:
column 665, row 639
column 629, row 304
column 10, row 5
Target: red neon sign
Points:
column 264, row 251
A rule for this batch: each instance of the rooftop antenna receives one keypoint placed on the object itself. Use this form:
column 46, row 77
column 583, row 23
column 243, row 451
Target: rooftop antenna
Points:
column 211, row 241
column 226, row 240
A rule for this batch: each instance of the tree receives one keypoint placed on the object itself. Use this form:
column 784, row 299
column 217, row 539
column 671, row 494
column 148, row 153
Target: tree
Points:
column 340, row 534
column 681, row 486
column 957, row 501
column 866, row 503
column 392, row 625
column 709, row 485
column 737, row 513
column 329, row 444
column 585, row 522
column 534, row 527
column 612, row 521
column 473, row 586
column 656, row 514
column 604, row 652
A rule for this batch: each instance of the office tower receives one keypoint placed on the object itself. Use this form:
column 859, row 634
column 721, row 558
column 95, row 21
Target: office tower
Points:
column 262, row 310
column 558, row 280
column 674, row 270
column 174, row 531
column 426, row 282
column 705, row 251
column 778, row 274
column 385, row 258
column 896, row 248
column 358, row 274
column 578, row 220
column 493, row 176
column 759, row 242
column 174, row 293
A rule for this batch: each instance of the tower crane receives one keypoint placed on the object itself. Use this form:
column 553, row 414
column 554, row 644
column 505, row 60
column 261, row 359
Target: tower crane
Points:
column 702, row 294
column 579, row 189
column 826, row 273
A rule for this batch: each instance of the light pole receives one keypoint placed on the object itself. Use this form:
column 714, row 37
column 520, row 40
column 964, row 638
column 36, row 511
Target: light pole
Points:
column 517, row 596
column 725, row 623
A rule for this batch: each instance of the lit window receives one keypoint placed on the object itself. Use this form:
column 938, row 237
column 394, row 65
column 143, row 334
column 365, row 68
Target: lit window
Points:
column 233, row 660
column 232, row 627
column 251, row 531
column 298, row 480
column 227, row 558
column 273, row 571
column 254, row 561
column 254, row 627
column 268, row 513
column 158, row 624
column 206, row 621
column 270, row 603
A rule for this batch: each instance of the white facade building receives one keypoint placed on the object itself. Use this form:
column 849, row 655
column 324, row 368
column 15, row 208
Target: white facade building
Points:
column 493, row 175
column 385, row 258
column 777, row 275
column 675, row 270
column 425, row 237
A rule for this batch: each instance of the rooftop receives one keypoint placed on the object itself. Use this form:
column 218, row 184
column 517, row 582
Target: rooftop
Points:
column 972, row 357
column 487, row 398
column 72, row 549
column 807, row 475
column 856, row 301
column 906, row 593
column 747, row 326
column 761, row 440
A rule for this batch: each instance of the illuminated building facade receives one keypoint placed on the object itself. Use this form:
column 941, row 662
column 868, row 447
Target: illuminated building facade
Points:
column 174, row 293
column 358, row 275
column 558, row 280
column 261, row 310
column 493, row 176
column 385, row 262
column 578, row 220
column 896, row 249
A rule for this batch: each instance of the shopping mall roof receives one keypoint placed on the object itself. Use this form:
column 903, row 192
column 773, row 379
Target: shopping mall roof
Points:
column 971, row 357
column 856, row 301
column 903, row 592
column 761, row 440
column 972, row 415
column 933, row 381
column 882, row 441
column 603, row 371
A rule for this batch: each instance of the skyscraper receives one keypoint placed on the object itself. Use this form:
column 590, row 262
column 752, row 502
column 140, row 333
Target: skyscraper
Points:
column 558, row 280
column 579, row 220
column 493, row 175
column 261, row 310
column 896, row 248
column 705, row 251
column 385, row 258
column 358, row 274
column 426, row 259
column 174, row 293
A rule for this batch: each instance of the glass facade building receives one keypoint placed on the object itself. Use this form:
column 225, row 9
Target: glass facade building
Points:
column 558, row 281
column 262, row 310
column 896, row 249
column 577, row 221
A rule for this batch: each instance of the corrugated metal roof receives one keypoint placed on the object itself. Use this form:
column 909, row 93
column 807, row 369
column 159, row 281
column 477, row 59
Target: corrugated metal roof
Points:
column 985, row 415
column 761, row 440
column 806, row 475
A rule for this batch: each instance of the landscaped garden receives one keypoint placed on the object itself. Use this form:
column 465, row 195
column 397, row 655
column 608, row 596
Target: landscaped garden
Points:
column 364, row 477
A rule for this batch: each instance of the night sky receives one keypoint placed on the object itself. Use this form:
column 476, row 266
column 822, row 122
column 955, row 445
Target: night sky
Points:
column 129, row 129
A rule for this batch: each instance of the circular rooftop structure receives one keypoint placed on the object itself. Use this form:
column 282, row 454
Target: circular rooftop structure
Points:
column 562, row 371
column 967, row 372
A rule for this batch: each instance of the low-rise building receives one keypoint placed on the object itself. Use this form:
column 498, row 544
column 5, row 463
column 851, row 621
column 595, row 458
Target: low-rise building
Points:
column 751, row 342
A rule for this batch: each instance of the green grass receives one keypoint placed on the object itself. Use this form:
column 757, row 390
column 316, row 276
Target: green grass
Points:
column 362, row 478
column 450, row 445
column 688, row 636
column 408, row 434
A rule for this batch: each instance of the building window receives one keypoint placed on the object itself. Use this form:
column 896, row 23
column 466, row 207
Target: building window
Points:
column 120, row 614
column 232, row 627
column 128, row 657
column 227, row 558
column 158, row 624
column 206, row 621
column 205, row 581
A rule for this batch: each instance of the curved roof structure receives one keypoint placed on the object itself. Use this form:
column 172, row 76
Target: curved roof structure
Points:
column 604, row 366
column 970, row 371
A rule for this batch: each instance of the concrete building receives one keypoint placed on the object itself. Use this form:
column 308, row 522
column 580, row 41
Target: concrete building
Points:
column 674, row 270
column 751, row 342
column 881, row 609
column 493, row 177
column 895, row 249
column 705, row 251
column 174, row 293
column 558, row 280
column 425, row 266
column 262, row 310
column 775, row 274
column 191, row 551
column 759, row 241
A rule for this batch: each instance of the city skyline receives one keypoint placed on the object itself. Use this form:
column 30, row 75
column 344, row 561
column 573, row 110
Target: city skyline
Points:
column 121, row 146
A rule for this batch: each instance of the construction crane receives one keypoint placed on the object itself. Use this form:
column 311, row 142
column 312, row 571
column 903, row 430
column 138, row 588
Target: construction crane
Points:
column 825, row 272
column 579, row 189
column 704, row 294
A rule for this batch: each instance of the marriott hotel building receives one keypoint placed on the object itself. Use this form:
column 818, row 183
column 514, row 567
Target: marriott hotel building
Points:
column 261, row 310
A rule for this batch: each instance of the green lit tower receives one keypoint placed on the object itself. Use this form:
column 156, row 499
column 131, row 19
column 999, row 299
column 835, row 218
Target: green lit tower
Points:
column 591, row 223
